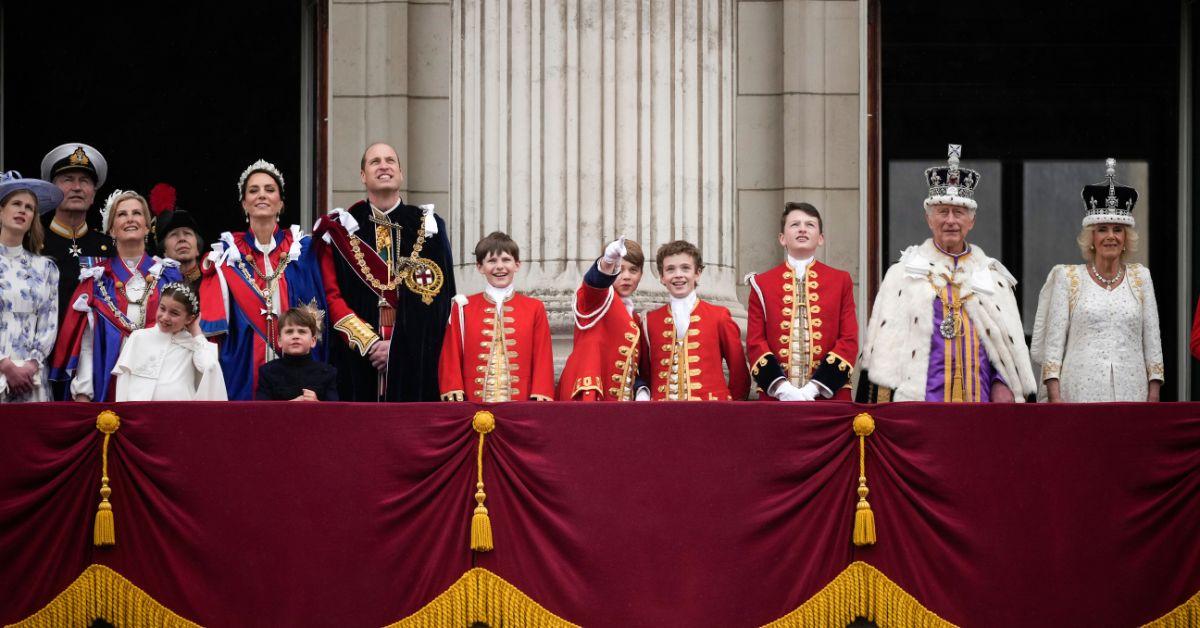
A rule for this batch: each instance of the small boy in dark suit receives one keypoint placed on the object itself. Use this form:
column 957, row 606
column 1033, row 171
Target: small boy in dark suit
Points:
column 296, row 376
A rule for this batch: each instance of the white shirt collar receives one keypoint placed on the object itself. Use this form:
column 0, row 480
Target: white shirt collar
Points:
column 387, row 211
column 628, row 301
column 499, row 295
column 681, row 311
column 799, row 265
column 265, row 248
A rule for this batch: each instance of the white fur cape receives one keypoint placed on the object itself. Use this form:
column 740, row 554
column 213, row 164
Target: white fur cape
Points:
column 896, row 352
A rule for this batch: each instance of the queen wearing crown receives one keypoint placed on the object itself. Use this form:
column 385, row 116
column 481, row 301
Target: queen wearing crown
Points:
column 1096, row 333
column 115, row 297
column 945, row 326
column 250, row 278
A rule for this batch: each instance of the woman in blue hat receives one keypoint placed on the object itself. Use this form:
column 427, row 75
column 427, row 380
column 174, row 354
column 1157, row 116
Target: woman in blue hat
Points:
column 28, row 288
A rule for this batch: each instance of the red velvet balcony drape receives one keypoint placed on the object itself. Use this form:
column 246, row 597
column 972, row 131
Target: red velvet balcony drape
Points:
column 729, row 514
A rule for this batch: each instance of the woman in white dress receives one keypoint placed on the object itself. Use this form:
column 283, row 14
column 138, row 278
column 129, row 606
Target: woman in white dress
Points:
column 28, row 288
column 1096, row 333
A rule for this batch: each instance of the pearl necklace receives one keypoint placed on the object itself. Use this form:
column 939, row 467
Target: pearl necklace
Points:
column 1108, row 283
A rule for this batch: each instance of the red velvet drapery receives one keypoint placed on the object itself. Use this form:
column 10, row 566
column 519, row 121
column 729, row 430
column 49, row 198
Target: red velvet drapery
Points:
column 730, row 514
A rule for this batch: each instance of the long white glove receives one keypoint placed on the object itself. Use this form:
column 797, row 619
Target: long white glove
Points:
column 615, row 251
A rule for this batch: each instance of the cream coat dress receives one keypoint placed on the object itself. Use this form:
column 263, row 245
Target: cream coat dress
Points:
column 1101, row 345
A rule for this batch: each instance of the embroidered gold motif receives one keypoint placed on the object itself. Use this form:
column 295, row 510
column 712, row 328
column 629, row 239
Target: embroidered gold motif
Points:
column 358, row 333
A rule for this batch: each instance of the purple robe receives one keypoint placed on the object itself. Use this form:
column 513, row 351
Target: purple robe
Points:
column 946, row 355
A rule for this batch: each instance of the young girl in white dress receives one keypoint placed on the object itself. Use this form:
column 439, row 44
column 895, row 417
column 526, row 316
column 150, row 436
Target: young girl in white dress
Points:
column 171, row 361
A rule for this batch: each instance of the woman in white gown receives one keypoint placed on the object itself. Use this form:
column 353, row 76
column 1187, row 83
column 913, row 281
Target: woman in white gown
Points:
column 1096, row 333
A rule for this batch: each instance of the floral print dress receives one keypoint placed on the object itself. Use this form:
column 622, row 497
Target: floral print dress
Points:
column 28, row 316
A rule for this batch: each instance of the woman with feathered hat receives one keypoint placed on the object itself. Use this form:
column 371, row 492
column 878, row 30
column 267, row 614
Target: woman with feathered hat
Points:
column 1096, row 334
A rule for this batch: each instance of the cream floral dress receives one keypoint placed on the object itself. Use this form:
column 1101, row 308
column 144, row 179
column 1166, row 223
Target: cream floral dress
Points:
column 28, row 316
column 1102, row 345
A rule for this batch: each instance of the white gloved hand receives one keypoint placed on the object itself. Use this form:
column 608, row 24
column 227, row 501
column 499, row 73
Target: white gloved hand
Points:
column 811, row 391
column 643, row 394
column 786, row 391
column 615, row 250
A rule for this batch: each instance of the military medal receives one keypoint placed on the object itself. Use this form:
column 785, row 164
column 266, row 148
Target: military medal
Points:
column 75, row 251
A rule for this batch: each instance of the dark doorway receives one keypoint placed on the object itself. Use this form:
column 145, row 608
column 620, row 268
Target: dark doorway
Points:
column 184, row 93
column 1030, row 88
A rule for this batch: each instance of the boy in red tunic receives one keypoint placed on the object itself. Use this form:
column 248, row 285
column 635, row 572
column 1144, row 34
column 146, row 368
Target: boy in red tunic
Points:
column 608, row 339
column 497, row 344
column 689, row 337
column 801, row 329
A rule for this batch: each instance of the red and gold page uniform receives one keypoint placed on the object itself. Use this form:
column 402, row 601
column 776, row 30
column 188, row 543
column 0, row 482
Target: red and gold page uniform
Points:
column 802, row 327
column 497, row 352
column 608, row 346
column 689, row 367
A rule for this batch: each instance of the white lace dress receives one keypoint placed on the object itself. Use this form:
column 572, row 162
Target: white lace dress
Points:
column 1102, row 345
column 28, row 316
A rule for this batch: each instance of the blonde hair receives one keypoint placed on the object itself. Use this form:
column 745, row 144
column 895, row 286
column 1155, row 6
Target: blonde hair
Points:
column 114, row 201
column 1087, row 250
column 34, row 237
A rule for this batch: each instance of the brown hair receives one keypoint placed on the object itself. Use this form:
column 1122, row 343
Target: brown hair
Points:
column 34, row 237
column 183, row 295
column 678, row 247
column 496, row 243
column 806, row 208
column 301, row 317
column 634, row 254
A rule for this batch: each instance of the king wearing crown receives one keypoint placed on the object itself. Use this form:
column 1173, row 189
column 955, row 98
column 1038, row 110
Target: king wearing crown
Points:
column 945, row 326
column 392, row 265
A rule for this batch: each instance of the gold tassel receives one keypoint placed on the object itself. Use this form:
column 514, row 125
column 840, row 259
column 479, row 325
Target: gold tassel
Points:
column 864, row 519
column 104, row 532
column 481, row 525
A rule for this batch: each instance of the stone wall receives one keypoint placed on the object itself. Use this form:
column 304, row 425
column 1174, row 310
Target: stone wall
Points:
column 568, row 123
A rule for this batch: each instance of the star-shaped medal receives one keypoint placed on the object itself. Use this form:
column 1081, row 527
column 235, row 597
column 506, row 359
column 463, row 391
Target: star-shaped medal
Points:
column 75, row 251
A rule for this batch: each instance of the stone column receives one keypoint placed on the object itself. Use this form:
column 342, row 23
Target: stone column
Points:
column 798, row 118
column 574, row 122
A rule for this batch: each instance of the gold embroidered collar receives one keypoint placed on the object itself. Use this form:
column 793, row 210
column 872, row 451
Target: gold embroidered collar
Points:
column 67, row 232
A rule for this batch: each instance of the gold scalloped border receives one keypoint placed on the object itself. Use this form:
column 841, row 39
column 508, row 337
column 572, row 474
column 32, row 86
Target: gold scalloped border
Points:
column 861, row 591
column 481, row 596
column 1183, row 616
column 101, row 593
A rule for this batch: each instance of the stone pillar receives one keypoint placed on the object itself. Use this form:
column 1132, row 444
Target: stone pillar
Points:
column 574, row 122
column 798, row 117
column 390, row 82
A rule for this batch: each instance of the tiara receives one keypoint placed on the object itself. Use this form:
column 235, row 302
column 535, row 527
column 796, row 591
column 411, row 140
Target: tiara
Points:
column 261, row 165
column 186, row 291
column 107, row 209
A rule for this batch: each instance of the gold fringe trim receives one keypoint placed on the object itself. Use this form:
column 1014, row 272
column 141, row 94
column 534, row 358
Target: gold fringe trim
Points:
column 482, row 597
column 861, row 591
column 1184, row 615
column 101, row 593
